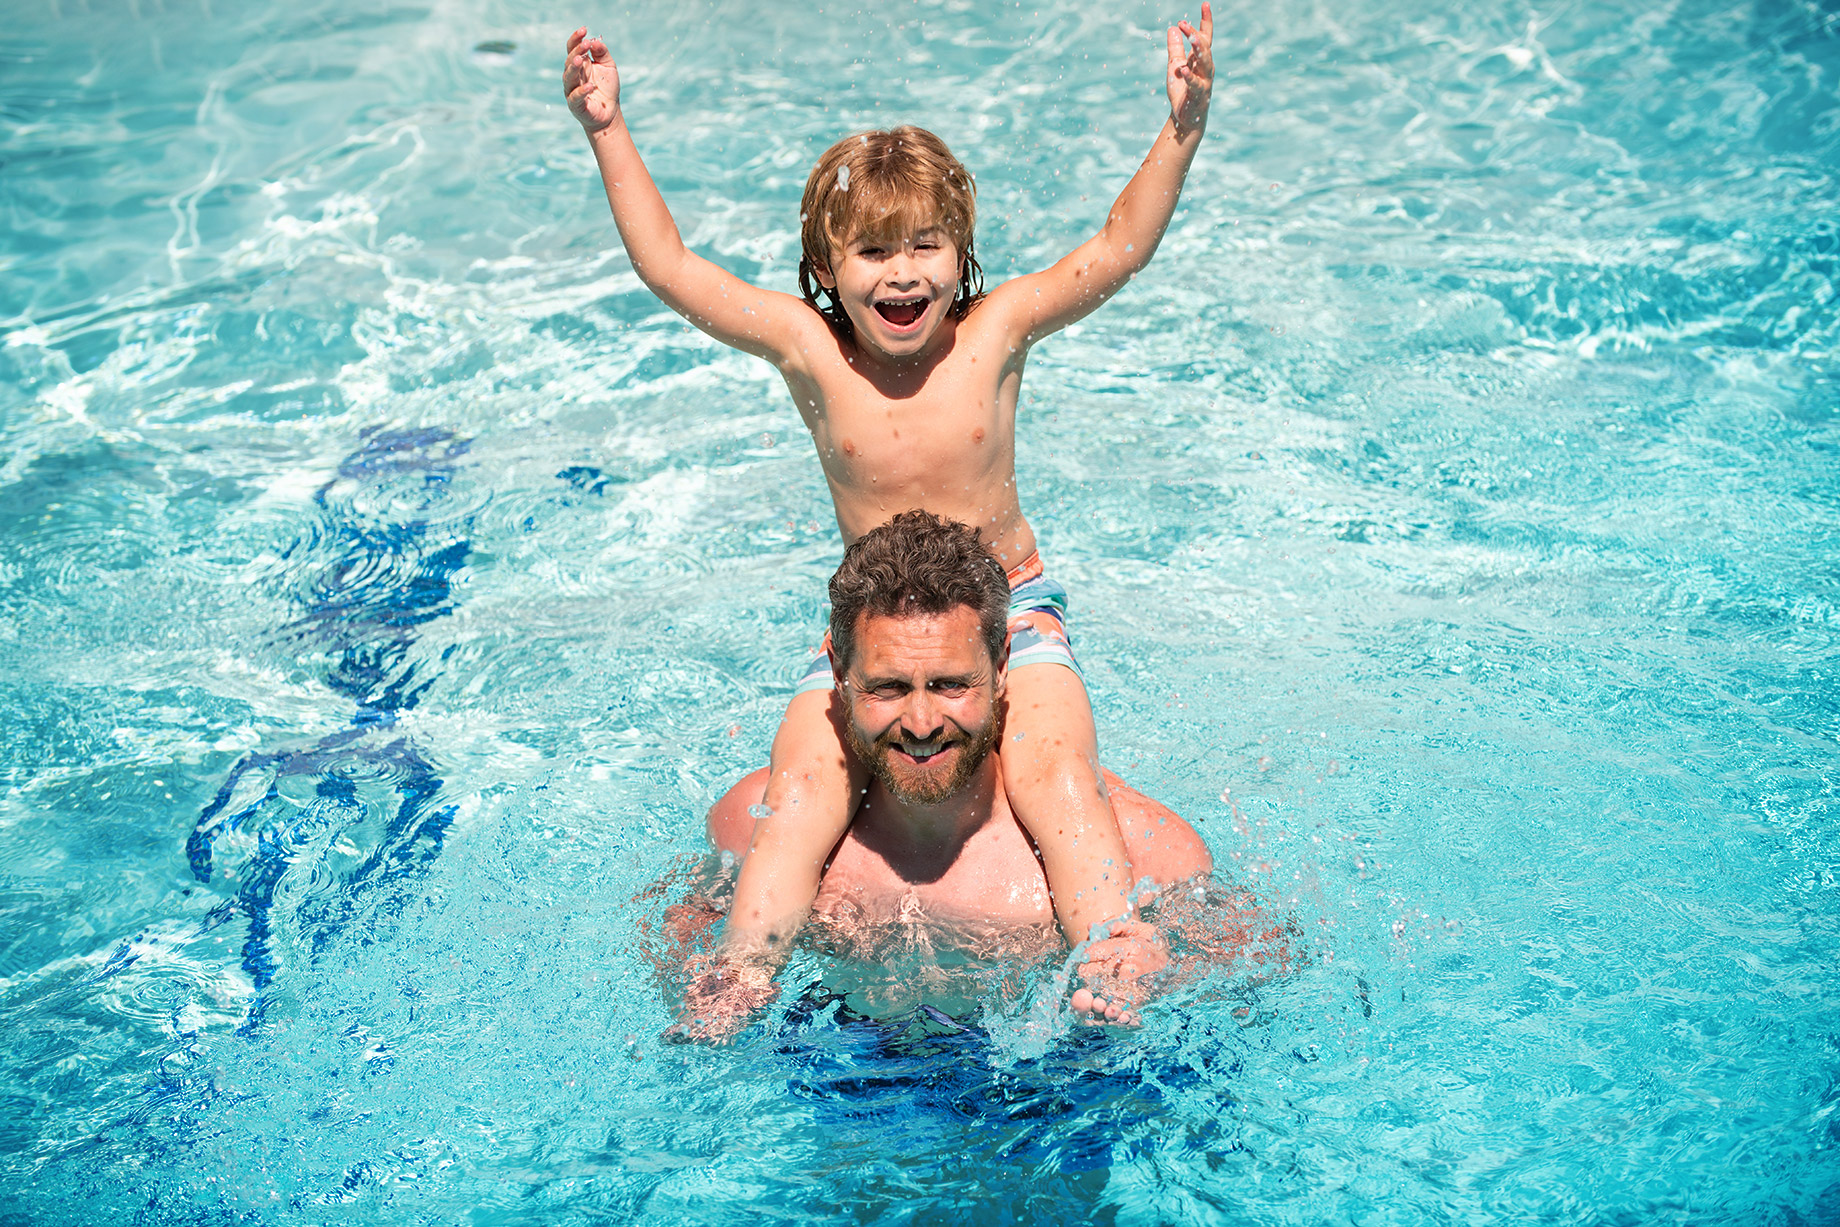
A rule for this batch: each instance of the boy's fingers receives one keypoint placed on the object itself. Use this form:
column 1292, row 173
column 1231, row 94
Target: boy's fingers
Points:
column 1207, row 22
column 1175, row 46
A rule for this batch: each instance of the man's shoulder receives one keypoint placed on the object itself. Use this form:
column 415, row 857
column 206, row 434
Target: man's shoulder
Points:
column 1161, row 844
column 730, row 824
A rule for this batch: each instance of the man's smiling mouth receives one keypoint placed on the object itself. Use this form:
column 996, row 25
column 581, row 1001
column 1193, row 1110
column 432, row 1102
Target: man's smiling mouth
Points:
column 922, row 752
column 901, row 312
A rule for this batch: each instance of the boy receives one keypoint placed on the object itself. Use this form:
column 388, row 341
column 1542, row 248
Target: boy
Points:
column 907, row 378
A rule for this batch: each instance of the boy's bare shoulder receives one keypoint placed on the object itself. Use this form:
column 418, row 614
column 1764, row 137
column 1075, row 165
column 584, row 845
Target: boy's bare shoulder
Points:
column 806, row 342
column 992, row 325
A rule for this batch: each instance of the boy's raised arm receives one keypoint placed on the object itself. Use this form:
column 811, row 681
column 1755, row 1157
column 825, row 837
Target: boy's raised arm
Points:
column 1044, row 302
column 760, row 322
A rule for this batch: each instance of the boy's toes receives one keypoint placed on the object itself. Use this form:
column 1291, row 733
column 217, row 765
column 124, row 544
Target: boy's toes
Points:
column 1092, row 1008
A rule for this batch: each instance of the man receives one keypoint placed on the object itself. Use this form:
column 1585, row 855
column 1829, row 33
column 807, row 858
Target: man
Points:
column 919, row 644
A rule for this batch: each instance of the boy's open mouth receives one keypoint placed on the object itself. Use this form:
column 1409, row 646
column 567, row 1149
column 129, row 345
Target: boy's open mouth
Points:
column 900, row 312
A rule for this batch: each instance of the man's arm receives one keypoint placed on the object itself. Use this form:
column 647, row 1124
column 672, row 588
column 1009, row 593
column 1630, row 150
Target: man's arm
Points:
column 761, row 322
column 1045, row 302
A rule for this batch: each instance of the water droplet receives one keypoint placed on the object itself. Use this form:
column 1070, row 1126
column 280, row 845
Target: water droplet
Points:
column 759, row 813
column 843, row 178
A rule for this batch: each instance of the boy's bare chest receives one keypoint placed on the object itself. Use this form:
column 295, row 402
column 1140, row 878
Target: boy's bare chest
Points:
column 960, row 416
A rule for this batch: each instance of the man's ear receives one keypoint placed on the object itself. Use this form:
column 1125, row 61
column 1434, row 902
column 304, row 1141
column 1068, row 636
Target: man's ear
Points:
column 1003, row 666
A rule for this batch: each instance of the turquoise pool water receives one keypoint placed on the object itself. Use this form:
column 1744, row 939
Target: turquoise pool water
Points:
column 389, row 583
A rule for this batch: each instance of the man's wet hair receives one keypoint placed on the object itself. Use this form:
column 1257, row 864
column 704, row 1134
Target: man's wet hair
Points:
column 918, row 564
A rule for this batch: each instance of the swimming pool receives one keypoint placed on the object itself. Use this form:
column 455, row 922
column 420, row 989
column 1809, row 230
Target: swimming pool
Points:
column 389, row 584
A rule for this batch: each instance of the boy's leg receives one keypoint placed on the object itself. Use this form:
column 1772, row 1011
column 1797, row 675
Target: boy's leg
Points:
column 1056, row 790
column 813, row 787
column 1050, row 760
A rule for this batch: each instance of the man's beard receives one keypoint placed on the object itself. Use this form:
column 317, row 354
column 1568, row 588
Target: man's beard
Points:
column 931, row 789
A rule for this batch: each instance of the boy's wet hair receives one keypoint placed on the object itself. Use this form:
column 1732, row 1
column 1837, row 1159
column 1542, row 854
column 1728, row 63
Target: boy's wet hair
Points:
column 918, row 564
column 885, row 185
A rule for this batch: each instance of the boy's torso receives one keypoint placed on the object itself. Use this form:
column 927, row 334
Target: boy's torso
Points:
column 938, row 435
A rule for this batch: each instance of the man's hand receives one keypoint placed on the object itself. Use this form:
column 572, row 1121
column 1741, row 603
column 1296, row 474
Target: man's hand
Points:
column 1113, row 971
column 1191, row 74
column 592, row 83
column 723, row 995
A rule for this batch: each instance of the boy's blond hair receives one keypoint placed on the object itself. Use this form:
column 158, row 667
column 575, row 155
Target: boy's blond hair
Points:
column 883, row 185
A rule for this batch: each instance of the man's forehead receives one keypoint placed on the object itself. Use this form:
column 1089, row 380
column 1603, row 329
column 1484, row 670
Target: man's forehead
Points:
column 949, row 641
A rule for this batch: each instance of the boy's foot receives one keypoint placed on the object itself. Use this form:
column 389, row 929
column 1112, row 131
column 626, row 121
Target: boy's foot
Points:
column 720, row 1001
column 1095, row 1009
column 1116, row 966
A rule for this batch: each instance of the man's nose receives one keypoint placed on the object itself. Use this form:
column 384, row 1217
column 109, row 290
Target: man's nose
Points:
column 920, row 718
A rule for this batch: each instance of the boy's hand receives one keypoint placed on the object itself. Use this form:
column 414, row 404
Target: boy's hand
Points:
column 1191, row 75
column 591, row 82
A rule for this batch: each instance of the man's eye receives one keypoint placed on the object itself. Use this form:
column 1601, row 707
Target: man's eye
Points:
column 953, row 689
column 890, row 691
